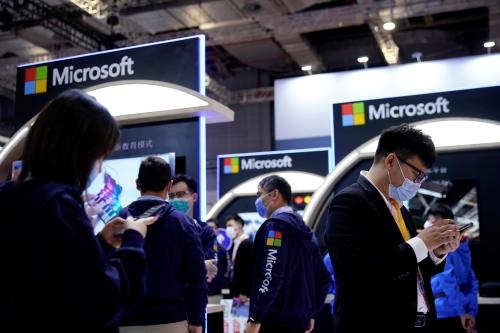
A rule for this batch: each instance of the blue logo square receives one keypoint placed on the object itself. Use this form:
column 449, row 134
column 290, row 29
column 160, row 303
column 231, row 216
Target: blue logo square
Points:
column 29, row 87
column 270, row 234
column 227, row 169
column 348, row 120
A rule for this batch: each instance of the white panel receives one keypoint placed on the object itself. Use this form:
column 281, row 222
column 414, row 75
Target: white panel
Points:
column 303, row 105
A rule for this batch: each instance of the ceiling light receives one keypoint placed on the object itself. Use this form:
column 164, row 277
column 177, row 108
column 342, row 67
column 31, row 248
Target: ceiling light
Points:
column 389, row 26
column 363, row 60
column 489, row 44
column 306, row 68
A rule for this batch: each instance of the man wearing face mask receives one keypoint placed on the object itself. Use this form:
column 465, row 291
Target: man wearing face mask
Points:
column 241, row 258
column 183, row 196
column 290, row 281
column 382, row 268
column 176, row 283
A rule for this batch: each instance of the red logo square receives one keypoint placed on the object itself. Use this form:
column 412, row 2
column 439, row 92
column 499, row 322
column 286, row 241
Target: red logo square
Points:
column 346, row 109
column 30, row 74
column 277, row 235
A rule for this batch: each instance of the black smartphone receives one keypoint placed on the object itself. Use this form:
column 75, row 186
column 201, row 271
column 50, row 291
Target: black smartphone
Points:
column 466, row 226
column 153, row 211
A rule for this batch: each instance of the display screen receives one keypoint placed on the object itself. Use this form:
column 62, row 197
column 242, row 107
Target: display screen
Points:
column 115, row 186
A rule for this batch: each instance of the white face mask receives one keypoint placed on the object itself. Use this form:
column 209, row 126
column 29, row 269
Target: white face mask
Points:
column 231, row 232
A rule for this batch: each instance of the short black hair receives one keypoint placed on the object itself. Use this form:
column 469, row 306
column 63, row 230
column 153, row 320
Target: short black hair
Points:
column 275, row 182
column 442, row 210
column 190, row 182
column 154, row 174
column 235, row 217
column 213, row 220
column 70, row 133
column 406, row 141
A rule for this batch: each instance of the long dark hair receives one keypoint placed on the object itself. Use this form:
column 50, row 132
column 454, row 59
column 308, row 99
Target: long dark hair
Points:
column 71, row 132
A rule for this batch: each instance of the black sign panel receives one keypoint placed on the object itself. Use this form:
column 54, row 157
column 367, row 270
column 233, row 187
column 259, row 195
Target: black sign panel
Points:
column 356, row 122
column 172, row 61
column 234, row 169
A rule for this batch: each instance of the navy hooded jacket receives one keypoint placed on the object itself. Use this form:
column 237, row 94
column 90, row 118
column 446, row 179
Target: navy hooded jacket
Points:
column 290, row 281
column 176, row 277
column 208, row 239
column 56, row 275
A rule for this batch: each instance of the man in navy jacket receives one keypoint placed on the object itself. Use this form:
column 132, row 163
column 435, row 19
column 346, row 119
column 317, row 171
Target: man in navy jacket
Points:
column 290, row 281
column 176, row 296
column 183, row 196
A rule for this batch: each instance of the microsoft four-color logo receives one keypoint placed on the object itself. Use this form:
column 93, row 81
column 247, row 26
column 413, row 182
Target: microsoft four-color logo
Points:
column 353, row 114
column 35, row 80
column 231, row 165
column 274, row 238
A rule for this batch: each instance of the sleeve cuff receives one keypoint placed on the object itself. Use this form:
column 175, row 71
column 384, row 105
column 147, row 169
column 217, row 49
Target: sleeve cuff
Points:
column 418, row 246
column 197, row 320
column 436, row 259
column 132, row 238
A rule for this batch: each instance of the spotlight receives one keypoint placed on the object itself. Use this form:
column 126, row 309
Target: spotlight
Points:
column 306, row 68
column 389, row 26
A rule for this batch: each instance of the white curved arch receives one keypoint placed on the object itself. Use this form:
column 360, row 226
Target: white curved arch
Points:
column 448, row 134
column 299, row 181
column 130, row 100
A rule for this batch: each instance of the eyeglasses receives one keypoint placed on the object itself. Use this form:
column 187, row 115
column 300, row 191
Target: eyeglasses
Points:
column 422, row 175
column 179, row 194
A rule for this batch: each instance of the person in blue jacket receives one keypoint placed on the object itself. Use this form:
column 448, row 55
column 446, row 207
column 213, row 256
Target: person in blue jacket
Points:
column 219, row 281
column 456, row 288
column 177, row 289
column 328, row 264
column 57, row 276
column 183, row 195
column 290, row 281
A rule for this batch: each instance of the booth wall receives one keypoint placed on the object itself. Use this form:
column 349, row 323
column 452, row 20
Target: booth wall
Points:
column 303, row 105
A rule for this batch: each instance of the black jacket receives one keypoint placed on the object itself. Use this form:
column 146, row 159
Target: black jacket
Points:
column 176, row 277
column 375, row 269
column 242, row 269
column 290, row 281
column 56, row 275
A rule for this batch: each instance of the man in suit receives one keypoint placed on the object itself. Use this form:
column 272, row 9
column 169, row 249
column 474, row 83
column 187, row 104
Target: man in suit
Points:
column 382, row 268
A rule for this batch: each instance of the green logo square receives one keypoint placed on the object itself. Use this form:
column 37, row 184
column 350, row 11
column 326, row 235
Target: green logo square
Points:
column 234, row 161
column 41, row 73
column 358, row 107
column 277, row 242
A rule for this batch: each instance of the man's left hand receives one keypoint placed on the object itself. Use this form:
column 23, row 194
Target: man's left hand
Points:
column 252, row 328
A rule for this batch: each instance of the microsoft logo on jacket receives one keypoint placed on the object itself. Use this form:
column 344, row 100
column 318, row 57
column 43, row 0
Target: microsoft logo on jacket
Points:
column 35, row 80
column 353, row 114
column 231, row 165
column 274, row 238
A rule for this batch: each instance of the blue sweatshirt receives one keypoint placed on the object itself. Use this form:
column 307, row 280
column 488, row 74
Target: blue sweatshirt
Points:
column 176, row 277
column 290, row 281
column 56, row 275
column 456, row 288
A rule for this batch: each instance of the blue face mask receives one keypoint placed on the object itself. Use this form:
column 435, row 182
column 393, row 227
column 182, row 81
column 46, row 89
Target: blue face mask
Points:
column 259, row 206
column 180, row 204
column 406, row 191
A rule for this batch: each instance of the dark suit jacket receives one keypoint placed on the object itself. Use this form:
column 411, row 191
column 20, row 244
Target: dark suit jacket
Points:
column 375, row 269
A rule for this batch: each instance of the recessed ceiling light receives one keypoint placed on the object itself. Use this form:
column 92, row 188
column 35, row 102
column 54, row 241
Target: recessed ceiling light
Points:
column 306, row 68
column 489, row 44
column 389, row 26
column 363, row 60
